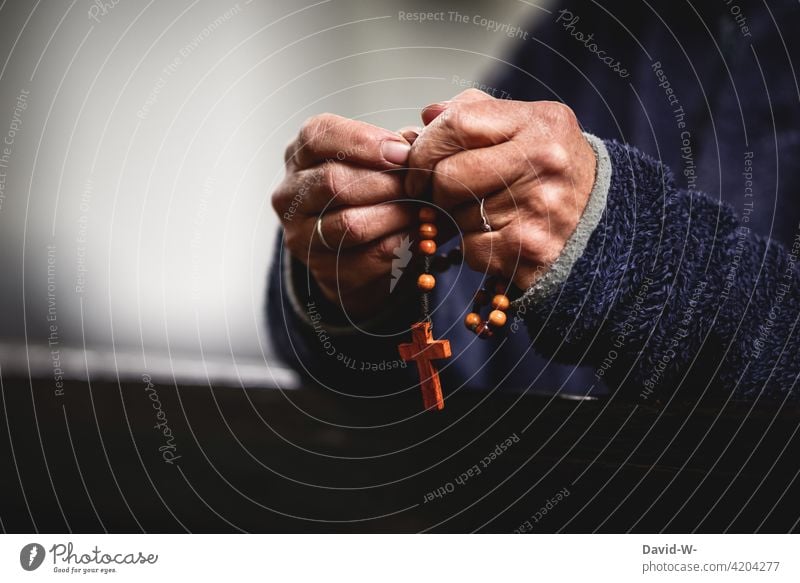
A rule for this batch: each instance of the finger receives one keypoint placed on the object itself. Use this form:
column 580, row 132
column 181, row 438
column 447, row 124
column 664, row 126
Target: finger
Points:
column 500, row 253
column 540, row 208
column 499, row 210
column 485, row 252
column 347, row 227
column 410, row 133
column 460, row 127
column 335, row 184
column 352, row 269
column 433, row 111
column 473, row 174
column 519, row 252
column 332, row 137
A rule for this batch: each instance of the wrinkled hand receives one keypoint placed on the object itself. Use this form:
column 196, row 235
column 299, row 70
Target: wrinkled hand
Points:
column 528, row 160
column 348, row 172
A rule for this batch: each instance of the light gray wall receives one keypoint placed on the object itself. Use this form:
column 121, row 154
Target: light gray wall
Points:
column 135, row 205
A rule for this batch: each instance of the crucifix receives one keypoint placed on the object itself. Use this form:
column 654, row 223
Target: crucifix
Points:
column 423, row 349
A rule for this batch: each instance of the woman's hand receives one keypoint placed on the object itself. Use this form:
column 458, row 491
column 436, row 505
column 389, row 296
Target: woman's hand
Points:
column 528, row 160
column 346, row 172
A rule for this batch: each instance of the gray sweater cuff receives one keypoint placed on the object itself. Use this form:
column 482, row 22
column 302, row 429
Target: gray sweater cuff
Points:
column 560, row 269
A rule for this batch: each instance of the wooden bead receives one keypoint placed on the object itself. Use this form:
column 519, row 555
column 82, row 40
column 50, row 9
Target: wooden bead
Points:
column 500, row 302
column 497, row 319
column 427, row 214
column 472, row 321
column 426, row 282
column 427, row 246
column 481, row 297
column 483, row 331
column 428, row 231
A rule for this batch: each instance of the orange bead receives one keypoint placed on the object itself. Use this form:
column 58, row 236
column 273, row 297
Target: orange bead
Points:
column 427, row 214
column 426, row 282
column 428, row 231
column 427, row 247
column 500, row 302
column 497, row 319
column 472, row 321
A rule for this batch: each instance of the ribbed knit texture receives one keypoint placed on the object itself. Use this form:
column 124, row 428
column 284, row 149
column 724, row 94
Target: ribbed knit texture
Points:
column 669, row 273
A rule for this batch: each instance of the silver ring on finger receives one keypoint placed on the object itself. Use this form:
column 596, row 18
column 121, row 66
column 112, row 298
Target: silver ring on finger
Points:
column 485, row 226
column 318, row 229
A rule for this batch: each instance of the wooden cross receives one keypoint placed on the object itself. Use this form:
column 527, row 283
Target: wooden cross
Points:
column 423, row 349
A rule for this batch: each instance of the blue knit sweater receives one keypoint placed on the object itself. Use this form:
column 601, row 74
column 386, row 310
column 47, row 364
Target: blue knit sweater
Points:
column 673, row 287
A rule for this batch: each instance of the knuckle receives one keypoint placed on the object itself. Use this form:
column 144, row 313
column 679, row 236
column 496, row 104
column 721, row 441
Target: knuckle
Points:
column 472, row 92
column 289, row 197
column 452, row 118
column 329, row 179
column 277, row 200
column 384, row 249
column 444, row 177
column 354, row 226
column 558, row 113
column 293, row 242
column 306, row 132
column 550, row 197
column 555, row 157
column 282, row 197
column 553, row 118
column 314, row 127
column 290, row 151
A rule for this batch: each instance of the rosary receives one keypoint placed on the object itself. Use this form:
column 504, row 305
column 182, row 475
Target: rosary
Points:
column 423, row 349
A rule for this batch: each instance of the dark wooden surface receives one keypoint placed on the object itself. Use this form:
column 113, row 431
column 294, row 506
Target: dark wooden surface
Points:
column 309, row 461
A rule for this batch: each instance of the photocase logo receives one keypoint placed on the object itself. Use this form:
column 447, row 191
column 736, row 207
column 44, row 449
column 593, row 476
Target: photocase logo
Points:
column 31, row 556
column 402, row 256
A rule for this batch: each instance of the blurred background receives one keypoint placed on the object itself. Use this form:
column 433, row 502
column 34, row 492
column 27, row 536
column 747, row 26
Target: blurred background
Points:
column 142, row 141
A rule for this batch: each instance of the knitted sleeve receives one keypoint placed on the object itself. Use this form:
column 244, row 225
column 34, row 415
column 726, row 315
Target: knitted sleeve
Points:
column 671, row 291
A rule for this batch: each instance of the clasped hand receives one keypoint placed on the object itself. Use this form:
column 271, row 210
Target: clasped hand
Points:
column 527, row 161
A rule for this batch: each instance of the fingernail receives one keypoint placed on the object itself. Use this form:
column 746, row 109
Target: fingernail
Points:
column 437, row 105
column 432, row 111
column 395, row 152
